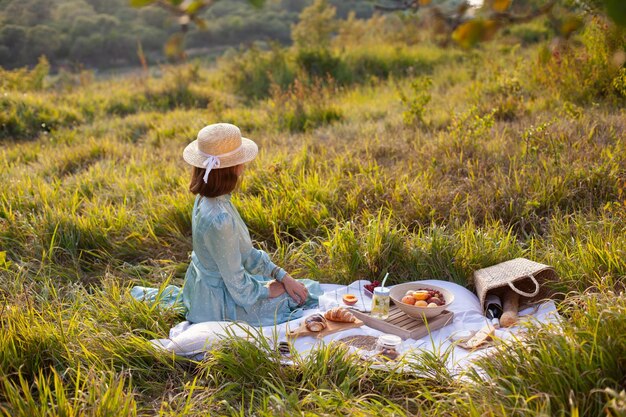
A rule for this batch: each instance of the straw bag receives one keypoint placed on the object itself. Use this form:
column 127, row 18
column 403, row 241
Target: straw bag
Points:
column 521, row 275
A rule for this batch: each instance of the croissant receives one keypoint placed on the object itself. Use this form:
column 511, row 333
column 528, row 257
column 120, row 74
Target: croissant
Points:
column 315, row 323
column 340, row 314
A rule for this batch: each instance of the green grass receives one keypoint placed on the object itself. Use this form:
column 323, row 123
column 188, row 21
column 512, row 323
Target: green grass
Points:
column 504, row 162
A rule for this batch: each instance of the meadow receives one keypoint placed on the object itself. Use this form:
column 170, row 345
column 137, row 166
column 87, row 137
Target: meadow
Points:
column 377, row 155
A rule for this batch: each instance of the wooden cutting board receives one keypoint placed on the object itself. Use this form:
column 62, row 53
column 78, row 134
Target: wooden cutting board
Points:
column 333, row 327
column 407, row 327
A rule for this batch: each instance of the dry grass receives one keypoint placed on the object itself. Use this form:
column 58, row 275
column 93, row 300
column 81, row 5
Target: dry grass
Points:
column 498, row 167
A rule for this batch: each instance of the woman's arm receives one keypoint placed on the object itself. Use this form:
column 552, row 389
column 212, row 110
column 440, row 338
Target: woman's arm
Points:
column 258, row 262
column 295, row 289
column 222, row 242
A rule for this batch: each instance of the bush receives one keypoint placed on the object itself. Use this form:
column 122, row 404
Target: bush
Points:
column 25, row 80
column 619, row 82
column 24, row 116
column 417, row 101
column 179, row 90
column 585, row 73
column 365, row 62
column 359, row 65
column 41, row 40
column 529, row 33
column 252, row 73
column 303, row 107
column 12, row 37
column 506, row 97
column 320, row 63
column 316, row 25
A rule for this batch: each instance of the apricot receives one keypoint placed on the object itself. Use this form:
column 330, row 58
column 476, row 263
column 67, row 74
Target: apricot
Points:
column 435, row 300
column 431, row 305
column 408, row 299
column 420, row 303
column 350, row 299
column 421, row 295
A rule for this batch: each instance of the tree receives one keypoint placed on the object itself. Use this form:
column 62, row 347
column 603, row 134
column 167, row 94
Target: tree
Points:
column 614, row 9
column 28, row 12
column 84, row 26
column 68, row 11
column 5, row 56
column 41, row 40
column 186, row 12
column 87, row 49
column 468, row 27
column 317, row 24
column 13, row 38
column 154, row 16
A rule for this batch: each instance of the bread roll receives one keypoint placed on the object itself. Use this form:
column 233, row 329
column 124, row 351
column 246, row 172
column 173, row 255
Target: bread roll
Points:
column 315, row 323
column 340, row 314
column 511, row 307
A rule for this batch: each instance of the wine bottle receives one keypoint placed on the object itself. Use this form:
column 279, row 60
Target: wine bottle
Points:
column 493, row 307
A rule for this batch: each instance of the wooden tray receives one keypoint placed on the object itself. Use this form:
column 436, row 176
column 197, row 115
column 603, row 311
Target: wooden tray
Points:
column 333, row 327
column 400, row 324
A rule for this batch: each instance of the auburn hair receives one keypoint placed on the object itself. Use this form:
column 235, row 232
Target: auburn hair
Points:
column 221, row 181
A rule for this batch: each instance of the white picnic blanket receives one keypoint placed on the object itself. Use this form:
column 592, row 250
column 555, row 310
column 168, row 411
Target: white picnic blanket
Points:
column 187, row 339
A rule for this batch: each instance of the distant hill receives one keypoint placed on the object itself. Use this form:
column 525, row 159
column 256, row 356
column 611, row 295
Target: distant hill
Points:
column 107, row 33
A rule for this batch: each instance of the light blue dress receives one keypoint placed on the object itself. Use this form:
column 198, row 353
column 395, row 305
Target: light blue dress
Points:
column 227, row 276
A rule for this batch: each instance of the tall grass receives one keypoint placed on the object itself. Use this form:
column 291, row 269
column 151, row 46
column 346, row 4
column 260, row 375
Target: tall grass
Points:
column 502, row 163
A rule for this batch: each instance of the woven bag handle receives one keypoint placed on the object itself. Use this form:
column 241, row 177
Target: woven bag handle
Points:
column 523, row 293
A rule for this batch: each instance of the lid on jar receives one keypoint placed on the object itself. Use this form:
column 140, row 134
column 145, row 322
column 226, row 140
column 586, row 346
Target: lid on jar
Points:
column 389, row 340
column 382, row 290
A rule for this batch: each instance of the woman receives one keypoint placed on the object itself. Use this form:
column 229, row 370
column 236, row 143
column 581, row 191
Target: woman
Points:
column 227, row 278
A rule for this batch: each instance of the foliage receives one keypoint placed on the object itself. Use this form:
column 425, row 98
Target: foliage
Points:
column 585, row 74
column 468, row 26
column 614, row 9
column 506, row 166
column 24, row 79
column 505, row 97
column 320, row 63
column 317, row 24
column 303, row 106
column 186, row 12
column 554, row 363
column 416, row 102
column 74, row 34
column 54, row 395
column 619, row 82
column 252, row 72
column 23, row 116
column 529, row 33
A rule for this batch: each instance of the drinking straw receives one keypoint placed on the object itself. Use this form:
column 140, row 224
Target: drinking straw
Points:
column 385, row 280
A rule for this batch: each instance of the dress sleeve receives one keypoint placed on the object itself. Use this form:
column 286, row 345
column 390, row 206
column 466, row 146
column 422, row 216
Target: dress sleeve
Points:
column 222, row 242
column 258, row 262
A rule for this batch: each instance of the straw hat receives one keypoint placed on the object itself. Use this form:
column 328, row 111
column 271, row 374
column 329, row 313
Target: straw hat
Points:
column 219, row 145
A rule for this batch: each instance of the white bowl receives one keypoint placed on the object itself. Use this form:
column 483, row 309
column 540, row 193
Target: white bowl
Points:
column 398, row 291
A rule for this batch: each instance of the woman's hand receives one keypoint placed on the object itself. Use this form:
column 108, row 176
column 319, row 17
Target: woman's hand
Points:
column 276, row 288
column 295, row 289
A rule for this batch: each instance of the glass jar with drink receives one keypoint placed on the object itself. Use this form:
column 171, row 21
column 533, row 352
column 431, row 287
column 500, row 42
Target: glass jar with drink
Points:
column 380, row 303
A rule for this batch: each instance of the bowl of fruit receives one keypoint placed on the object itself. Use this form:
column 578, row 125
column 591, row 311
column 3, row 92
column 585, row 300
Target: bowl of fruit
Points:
column 421, row 300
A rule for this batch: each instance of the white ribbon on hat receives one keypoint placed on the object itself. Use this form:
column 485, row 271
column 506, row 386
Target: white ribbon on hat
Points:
column 209, row 163
column 213, row 161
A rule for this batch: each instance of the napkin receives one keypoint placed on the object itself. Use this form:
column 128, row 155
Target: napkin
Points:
column 334, row 298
